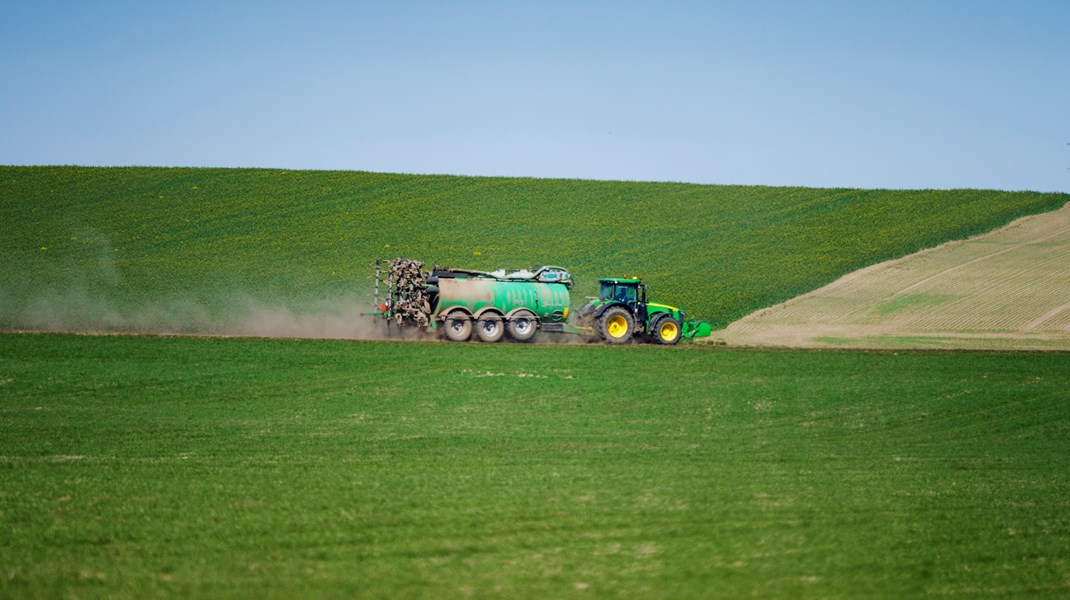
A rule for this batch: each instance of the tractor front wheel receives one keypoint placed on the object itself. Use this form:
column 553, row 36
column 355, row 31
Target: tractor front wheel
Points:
column 617, row 326
column 666, row 330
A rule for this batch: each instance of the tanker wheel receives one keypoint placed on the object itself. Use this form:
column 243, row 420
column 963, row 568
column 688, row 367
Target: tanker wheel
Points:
column 666, row 330
column 616, row 325
column 522, row 326
column 457, row 326
column 489, row 328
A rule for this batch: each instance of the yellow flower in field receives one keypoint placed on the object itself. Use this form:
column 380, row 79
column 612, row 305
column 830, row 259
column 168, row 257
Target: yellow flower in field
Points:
column 477, row 253
column 44, row 248
column 386, row 245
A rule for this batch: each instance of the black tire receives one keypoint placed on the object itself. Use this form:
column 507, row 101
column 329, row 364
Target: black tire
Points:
column 523, row 326
column 616, row 326
column 457, row 326
column 666, row 330
column 489, row 328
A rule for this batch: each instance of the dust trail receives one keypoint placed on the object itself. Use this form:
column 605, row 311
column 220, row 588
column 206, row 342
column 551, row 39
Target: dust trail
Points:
column 339, row 319
column 89, row 292
column 82, row 309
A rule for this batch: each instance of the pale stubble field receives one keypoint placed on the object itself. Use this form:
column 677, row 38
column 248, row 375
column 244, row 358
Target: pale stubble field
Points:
column 1009, row 289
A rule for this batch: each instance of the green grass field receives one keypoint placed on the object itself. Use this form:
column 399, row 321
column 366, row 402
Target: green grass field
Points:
column 154, row 249
column 135, row 466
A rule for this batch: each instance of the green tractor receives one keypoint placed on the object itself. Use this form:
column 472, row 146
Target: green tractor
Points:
column 622, row 312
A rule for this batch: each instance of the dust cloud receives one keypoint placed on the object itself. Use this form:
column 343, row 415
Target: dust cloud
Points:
column 87, row 292
column 82, row 309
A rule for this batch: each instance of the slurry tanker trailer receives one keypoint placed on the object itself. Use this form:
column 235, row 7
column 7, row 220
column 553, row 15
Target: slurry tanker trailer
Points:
column 493, row 305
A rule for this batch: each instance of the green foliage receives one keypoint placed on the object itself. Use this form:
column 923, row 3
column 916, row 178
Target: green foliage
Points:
column 135, row 467
column 108, row 242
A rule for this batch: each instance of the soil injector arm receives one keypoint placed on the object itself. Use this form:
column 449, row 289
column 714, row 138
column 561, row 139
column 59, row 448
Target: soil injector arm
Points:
column 407, row 300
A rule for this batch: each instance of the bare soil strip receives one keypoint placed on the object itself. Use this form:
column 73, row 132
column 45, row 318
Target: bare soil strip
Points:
column 1008, row 289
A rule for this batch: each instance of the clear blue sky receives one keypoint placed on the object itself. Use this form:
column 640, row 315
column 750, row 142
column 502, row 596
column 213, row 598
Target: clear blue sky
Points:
column 904, row 94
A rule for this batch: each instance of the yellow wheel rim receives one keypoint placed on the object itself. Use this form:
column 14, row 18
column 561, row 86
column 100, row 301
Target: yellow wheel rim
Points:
column 617, row 326
column 668, row 331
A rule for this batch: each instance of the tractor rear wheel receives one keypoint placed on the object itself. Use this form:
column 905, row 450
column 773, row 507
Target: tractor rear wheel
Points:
column 458, row 326
column 489, row 328
column 666, row 330
column 616, row 325
column 522, row 326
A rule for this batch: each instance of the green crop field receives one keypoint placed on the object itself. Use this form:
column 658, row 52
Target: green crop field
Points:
column 220, row 467
column 138, row 466
column 194, row 250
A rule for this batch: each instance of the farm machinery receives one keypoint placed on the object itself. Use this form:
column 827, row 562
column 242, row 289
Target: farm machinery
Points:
column 493, row 305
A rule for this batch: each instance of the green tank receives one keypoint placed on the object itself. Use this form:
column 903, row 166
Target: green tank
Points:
column 494, row 304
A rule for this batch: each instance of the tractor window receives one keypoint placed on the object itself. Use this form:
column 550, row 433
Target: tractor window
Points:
column 619, row 293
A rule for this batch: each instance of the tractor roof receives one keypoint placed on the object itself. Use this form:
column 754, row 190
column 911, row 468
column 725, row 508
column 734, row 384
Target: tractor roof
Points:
column 621, row 280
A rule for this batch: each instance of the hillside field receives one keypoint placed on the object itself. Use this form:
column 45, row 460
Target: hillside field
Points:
column 209, row 250
column 1007, row 289
column 138, row 466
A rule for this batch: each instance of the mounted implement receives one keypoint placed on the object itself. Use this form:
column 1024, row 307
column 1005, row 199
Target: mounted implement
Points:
column 492, row 305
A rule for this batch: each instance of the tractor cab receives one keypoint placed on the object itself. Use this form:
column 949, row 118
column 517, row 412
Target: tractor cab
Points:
column 628, row 291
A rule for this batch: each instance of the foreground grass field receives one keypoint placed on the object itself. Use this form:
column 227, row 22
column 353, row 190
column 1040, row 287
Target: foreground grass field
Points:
column 225, row 467
column 205, row 250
